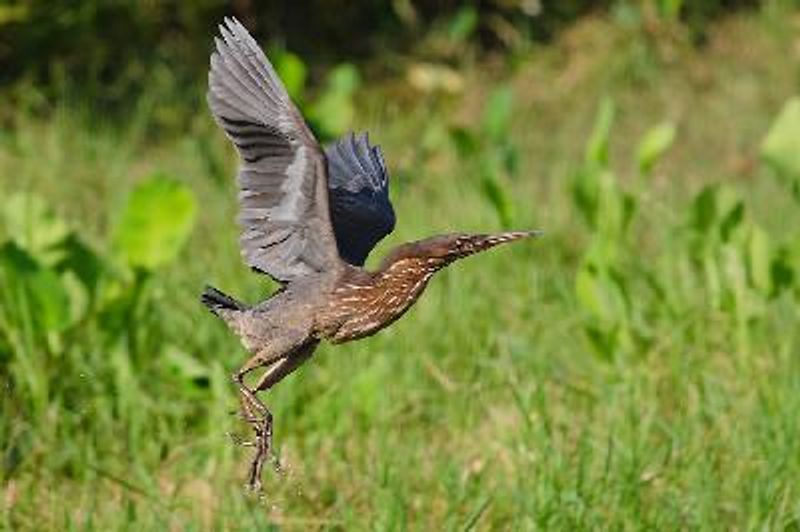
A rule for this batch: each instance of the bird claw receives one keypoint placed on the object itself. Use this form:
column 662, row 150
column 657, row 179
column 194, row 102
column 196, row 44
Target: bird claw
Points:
column 258, row 416
column 263, row 444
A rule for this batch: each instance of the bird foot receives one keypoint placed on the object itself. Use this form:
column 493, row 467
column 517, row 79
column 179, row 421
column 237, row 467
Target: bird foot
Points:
column 264, row 451
column 256, row 413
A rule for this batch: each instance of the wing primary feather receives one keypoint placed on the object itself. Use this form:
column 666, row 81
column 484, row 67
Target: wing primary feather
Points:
column 349, row 152
column 377, row 157
column 284, row 213
column 257, row 60
column 364, row 158
column 361, row 211
column 229, row 95
column 240, row 66
column 235, row 78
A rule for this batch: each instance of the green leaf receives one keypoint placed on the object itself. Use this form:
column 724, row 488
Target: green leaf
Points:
column 670, row 9
column 31, row 292
column 344, row 79
column 187, row 368
column 731, row 220
column 588, row 290
column 78, row 296
column 32, row 224
column 292, row 71
column 511, row 159
column 629, row 207
column 654, row 144
column 498, row 112
column 781, row 147
column 782, row 271
column 155, row 223
column 81, row 260
column 703, row 213
column 334, row 110
column 597, row 149
column 463, row 24
column 602, row 293
column 603, row 341
column 467, row 144
column 600, row 288
column 759, row 260
column 332, row 115
column 499, row 198
column 585, row 191
column 616, row 208
column 185, row 363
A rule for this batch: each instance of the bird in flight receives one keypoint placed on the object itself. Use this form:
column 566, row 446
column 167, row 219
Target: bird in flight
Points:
column 309, row 217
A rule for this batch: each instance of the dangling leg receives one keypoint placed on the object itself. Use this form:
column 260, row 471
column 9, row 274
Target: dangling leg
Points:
column 264, row 431
column 271, row 353
column 253, row 410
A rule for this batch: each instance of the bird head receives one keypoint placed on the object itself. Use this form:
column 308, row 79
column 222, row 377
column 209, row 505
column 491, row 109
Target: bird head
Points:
column 439, row 251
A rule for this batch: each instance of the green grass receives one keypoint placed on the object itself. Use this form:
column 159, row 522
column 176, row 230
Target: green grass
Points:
column 486, row 406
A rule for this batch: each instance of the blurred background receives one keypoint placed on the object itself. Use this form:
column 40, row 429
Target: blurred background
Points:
column 637, row 367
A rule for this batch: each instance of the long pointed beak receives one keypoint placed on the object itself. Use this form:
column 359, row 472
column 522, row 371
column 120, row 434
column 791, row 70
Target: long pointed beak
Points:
column 470, row 244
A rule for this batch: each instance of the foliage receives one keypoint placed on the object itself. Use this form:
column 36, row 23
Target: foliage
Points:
column 57, row 289
column 740, row 269
column 66, row 45
column 491, row 149
column 600, row 285
column 155, row 223
column 781, row 147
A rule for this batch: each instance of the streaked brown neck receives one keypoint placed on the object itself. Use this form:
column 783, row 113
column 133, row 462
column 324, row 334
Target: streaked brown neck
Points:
column 374, row 300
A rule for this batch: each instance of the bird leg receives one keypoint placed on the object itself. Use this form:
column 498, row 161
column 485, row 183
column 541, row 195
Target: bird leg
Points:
column 255, row 412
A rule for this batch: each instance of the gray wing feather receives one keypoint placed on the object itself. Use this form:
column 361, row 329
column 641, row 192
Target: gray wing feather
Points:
column 354, row 164
column 286, row 228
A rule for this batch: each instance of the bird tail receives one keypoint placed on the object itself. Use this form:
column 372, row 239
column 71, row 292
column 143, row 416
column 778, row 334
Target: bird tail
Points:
column 217, row 301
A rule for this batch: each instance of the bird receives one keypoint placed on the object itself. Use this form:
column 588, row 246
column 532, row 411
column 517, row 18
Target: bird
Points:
column 309, row 218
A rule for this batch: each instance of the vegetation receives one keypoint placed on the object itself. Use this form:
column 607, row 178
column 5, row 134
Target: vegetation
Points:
column 78, row 44
column 636, row 368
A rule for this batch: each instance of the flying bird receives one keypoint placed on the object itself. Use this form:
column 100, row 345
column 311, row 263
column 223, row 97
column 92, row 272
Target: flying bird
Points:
column 309, row 218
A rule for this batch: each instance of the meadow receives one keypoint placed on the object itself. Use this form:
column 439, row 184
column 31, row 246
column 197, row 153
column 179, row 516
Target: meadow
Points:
column 638, row 367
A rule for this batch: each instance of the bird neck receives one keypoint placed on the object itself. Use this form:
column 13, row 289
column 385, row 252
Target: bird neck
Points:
column 366, row 302
column 408, row 276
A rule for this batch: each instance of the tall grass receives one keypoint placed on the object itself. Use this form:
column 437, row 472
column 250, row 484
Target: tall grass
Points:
column 636, row 368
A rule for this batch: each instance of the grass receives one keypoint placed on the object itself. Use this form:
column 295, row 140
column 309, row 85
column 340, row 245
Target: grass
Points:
column 486, row 407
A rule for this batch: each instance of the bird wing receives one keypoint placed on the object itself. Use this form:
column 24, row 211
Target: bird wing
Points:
column 361, row 211
column 283, row 194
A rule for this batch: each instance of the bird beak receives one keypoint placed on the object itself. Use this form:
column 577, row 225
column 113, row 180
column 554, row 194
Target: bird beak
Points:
column 466, row 245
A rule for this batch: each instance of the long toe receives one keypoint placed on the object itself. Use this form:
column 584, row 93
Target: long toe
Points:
column 254, row 482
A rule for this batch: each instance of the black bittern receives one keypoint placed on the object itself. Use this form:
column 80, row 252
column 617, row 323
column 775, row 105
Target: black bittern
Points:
column 309, row 219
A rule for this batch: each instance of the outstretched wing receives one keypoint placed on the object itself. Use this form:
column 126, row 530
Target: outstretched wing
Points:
column 286, row 229
column 359, row 197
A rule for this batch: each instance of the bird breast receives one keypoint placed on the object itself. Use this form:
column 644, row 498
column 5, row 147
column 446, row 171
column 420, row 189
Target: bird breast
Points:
column 364, row 306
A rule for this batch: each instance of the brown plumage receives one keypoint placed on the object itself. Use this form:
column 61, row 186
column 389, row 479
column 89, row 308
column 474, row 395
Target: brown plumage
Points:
column 308, row 233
